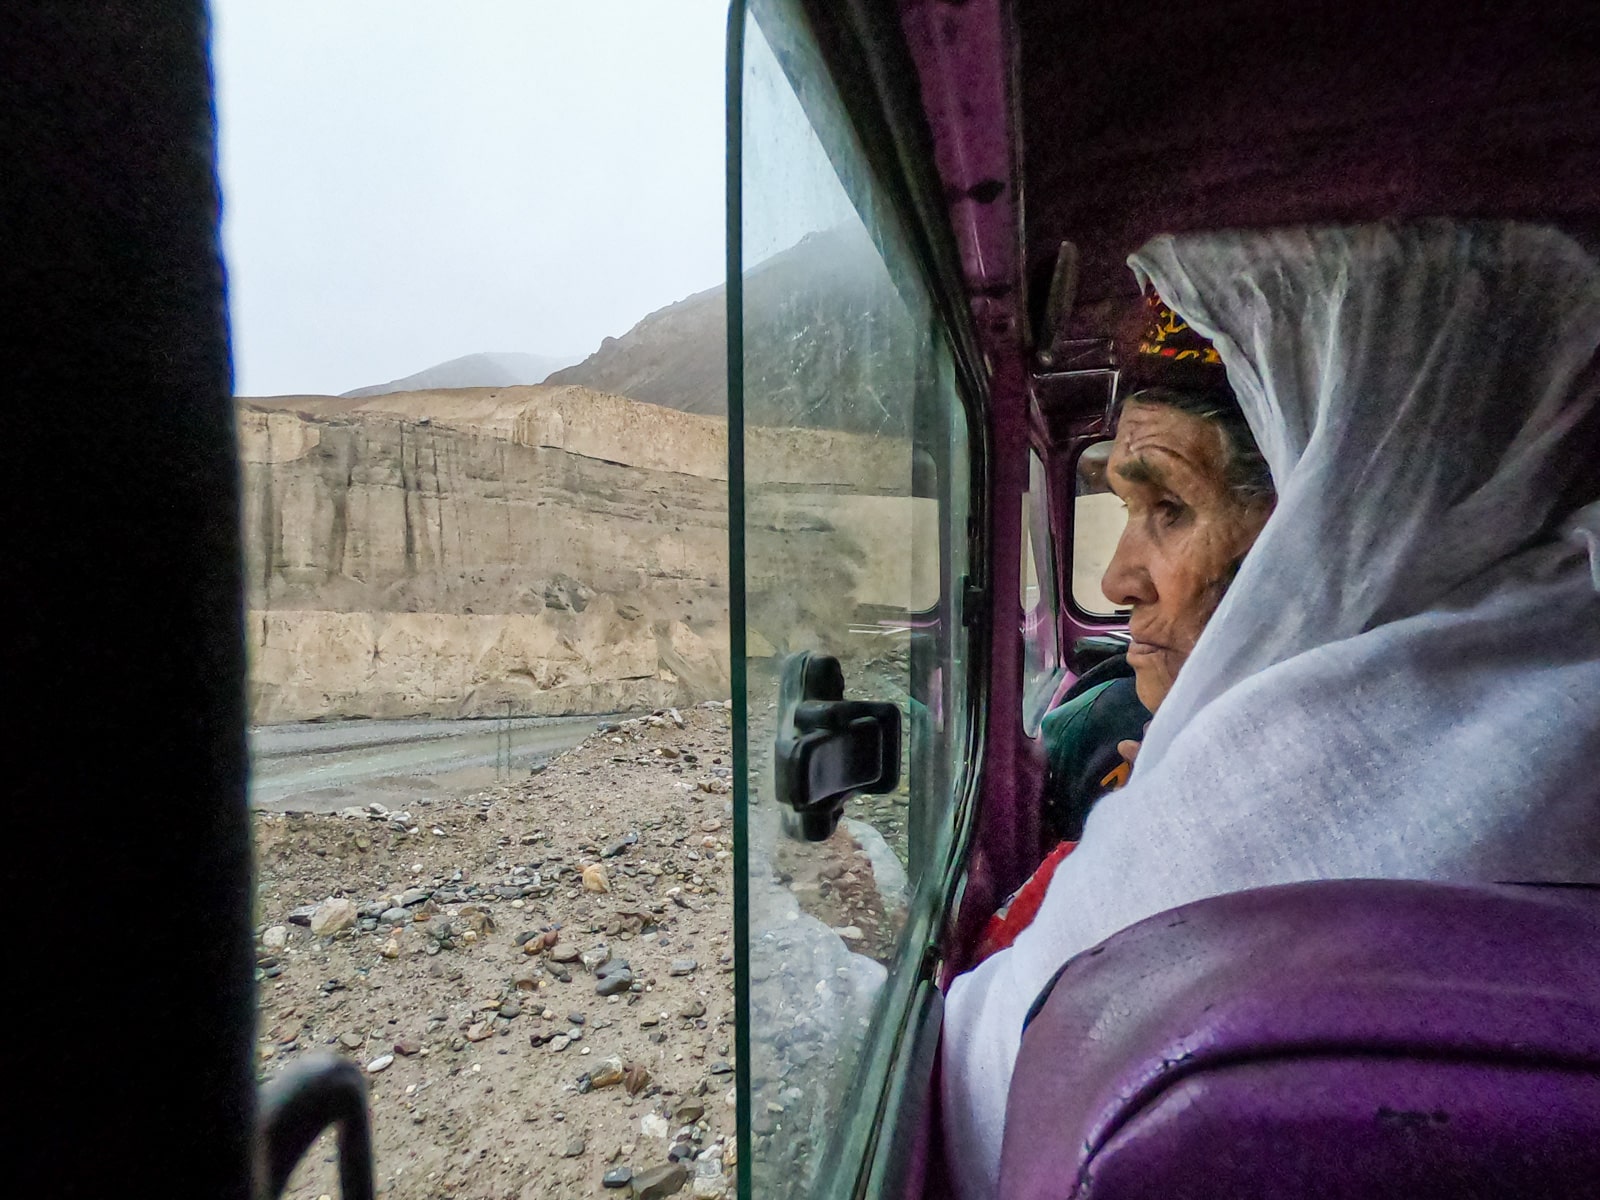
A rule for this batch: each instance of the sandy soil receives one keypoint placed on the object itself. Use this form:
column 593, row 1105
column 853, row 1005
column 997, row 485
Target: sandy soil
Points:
column 492, row 1069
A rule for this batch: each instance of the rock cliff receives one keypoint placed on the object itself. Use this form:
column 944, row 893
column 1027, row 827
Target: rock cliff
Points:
column 537, row 550
column 474, row 552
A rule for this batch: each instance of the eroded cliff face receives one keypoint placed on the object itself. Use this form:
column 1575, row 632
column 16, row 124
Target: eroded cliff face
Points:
column 415, row 554
column 542, row 550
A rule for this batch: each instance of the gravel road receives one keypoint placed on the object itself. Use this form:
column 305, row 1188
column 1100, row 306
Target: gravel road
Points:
column 327, row 766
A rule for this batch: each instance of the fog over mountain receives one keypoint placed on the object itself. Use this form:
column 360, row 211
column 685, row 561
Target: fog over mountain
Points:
column 472, row 370
column 825, row 336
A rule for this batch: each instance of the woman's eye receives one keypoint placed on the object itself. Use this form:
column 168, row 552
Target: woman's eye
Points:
column 1169, row 511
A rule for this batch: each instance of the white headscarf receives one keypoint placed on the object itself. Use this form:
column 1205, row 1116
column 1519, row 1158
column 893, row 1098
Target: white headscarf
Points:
column 1404, row 679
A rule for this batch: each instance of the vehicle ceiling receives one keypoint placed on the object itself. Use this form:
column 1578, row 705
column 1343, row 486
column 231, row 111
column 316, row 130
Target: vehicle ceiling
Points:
column 1141, row 119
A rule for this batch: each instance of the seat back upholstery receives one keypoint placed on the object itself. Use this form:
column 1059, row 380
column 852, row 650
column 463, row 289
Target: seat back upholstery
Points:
column 1335, row 1039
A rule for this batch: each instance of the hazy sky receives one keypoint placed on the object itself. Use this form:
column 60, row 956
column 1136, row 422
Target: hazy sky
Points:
column 406, row 181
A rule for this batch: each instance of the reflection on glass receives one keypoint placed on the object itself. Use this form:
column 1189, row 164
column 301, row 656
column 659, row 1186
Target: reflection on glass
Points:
column 1097, row 521
column 855, row 515
column 1041, row 654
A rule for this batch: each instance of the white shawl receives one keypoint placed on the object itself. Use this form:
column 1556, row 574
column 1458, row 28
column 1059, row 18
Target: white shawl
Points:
column 1404, row 679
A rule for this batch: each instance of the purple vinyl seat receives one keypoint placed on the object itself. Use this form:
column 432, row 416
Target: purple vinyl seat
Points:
column 1342, row 1040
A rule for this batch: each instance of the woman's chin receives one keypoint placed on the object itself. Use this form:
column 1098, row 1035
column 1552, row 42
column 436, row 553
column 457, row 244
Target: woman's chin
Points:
column 1151, row 680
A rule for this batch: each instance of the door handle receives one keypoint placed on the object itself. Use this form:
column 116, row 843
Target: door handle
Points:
column 828, row 748
column 318, row 1091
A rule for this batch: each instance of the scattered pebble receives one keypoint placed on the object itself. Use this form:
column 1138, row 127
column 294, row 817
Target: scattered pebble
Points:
column 331, row 916
column 660, row 1182
column 614, row 977
column 635, row 1079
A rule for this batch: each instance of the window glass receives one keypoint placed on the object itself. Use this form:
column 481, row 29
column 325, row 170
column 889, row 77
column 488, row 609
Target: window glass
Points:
column 1097, row 521
column 1041, row 651
column 853, row 514
column 482, row 460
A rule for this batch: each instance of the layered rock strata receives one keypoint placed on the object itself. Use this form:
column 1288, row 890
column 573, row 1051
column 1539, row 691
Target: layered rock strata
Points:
column 541, row 550
column 449, row 554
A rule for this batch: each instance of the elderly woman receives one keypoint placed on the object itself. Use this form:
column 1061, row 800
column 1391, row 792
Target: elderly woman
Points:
column 1403, row 680
column 1197, row 493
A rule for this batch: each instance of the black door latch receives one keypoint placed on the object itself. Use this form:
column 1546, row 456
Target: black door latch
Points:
column 828, row 748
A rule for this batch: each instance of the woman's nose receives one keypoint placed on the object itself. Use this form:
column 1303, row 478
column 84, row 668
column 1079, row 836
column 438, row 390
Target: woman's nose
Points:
column 1127, row 579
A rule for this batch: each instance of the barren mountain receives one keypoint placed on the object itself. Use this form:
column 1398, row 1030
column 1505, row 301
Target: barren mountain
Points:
column 817, row 345
column 472, row 371
column 562, row 548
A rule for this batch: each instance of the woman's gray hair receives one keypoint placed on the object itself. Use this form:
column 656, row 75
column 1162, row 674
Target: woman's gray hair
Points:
column 1247, row 473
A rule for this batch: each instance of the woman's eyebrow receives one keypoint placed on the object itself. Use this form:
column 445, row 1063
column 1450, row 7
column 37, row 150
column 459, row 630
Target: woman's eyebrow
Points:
column 1142, row 471
column 1143, row 466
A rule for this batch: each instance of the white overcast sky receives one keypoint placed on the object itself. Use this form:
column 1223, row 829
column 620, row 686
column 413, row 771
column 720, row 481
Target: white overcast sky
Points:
column 407, row 181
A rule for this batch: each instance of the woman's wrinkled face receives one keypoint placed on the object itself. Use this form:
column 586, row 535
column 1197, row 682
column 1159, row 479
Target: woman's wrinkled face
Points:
column 1187, row 532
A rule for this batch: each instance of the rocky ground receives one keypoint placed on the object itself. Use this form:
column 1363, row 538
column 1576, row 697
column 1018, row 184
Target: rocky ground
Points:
column 536, row 978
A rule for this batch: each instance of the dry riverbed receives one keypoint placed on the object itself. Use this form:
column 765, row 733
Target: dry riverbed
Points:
column 536, row 978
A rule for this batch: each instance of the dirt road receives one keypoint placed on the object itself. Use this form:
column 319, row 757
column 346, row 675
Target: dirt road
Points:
column 328, row 766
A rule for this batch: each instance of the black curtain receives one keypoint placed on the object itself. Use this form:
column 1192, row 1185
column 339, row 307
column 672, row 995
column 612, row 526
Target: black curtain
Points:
column 128, row 1034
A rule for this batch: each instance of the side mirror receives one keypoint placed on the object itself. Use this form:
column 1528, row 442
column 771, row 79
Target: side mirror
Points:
column 828, row 748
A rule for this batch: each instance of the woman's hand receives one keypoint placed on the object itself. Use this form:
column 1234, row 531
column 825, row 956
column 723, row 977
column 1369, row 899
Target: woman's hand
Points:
column 1129, row 749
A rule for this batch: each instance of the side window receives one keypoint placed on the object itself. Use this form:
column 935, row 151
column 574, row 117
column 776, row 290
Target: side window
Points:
column 1040, row 606
column 850, row 542
column 1097, row 521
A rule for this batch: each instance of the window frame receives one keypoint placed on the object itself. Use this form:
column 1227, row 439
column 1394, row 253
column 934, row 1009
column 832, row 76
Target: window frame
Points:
column 883, row 112
column 1074, row 614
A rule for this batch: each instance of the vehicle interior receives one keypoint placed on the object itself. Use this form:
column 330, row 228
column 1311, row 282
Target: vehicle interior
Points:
column 1028, row 149
column 963, row 182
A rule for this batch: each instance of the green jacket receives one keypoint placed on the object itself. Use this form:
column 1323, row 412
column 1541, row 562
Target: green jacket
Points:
column 1080, row 739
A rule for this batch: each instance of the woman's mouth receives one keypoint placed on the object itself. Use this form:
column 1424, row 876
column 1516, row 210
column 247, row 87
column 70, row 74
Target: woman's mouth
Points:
column 1139, row 649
